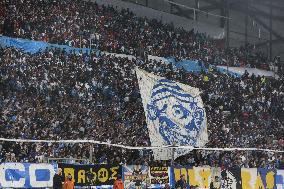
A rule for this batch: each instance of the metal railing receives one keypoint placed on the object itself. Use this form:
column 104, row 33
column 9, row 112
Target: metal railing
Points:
column 68, row 160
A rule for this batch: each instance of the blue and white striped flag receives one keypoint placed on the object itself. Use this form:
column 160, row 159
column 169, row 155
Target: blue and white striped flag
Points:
column 175, row 114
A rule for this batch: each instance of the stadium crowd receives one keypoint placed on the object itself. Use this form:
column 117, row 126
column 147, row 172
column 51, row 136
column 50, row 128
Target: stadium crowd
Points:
column 82, row 23
column 56, row 95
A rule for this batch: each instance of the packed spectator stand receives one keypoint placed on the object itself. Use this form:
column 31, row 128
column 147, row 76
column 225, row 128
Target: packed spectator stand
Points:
column 59, row 95
column 81, row 23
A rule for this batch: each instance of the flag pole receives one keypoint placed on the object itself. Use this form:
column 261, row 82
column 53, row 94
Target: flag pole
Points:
column 173, row 154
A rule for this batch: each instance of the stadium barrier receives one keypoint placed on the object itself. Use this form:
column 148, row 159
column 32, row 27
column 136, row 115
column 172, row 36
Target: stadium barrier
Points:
column 30, row 46
column 31, row 175
column 66, row 160
column 139, row 147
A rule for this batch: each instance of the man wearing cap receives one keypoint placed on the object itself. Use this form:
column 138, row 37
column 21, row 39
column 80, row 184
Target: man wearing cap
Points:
column 181, row 184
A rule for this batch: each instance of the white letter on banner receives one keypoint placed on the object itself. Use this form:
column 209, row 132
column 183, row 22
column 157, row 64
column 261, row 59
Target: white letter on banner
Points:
column 33, row 176
column 280, row 179
column 13, row 183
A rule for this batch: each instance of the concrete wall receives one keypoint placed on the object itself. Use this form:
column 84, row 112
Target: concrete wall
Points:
column 257, row 33
column 165, row 17
column 161, row 10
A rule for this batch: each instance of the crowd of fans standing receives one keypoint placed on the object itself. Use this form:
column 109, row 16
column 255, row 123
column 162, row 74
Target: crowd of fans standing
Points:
column 55, row 95
column 59, row 95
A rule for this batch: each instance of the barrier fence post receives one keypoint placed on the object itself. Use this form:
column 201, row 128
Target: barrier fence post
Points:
column 173, row 154
column 91, row 152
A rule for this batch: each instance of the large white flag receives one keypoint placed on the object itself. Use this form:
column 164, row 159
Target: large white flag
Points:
column 175, row 114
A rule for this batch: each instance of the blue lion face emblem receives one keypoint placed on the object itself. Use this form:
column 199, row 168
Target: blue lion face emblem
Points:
column 177, row 114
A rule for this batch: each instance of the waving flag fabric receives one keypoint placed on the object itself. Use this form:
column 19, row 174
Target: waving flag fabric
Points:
column 175, row 114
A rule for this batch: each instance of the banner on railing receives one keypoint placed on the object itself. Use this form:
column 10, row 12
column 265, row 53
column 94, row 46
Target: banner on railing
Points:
column 91, row 175
column 159, row 176
column 242, row 178
column 231, row 179
column 136, row 176
column 31, row 46
column 194, row 176
column 31, row 175
column 26, row 175
column 140, row 176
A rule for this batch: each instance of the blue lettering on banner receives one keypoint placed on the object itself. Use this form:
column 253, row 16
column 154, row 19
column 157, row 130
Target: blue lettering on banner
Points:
column 26, row 175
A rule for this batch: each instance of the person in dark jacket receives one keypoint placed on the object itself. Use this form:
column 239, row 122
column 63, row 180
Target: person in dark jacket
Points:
column 58, row 180
column 181, row 184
